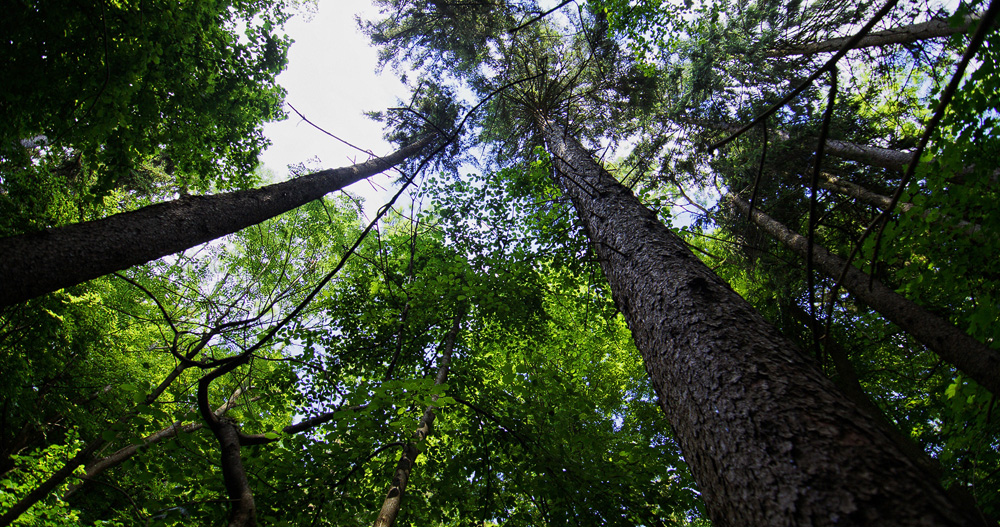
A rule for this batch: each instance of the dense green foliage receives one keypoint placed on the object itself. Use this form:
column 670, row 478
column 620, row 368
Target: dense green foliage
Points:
column 547, row 416
column 130, row 95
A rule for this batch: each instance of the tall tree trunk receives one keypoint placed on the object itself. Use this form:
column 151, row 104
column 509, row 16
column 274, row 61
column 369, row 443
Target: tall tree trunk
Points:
column 974, row 358
column 847, row 380
column 38, row 263
column 898, row 35
column 393, row 499
column 846, row 377
column 769, row 438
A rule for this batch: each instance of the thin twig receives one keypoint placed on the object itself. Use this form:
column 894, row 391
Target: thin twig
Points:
column 760, row 170
column 824, row 132
column 314, row 125
column 541, row 16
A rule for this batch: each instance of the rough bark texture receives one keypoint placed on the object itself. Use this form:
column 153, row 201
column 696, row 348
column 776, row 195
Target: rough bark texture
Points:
column 393, row 499
column 38, row 263
column 848, row 381
column 768, row 437
column 846, row 376
column 898, row 35
column 974, row 358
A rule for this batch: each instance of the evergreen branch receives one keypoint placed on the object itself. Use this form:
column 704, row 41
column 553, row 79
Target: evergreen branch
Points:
column 817, row 74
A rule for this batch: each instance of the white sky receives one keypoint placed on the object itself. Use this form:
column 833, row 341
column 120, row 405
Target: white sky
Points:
column 331, row 79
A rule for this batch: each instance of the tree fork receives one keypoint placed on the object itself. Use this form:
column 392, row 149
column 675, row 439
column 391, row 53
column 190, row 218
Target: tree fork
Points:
column 99, row 466
column 769, row 438
column 38, row 263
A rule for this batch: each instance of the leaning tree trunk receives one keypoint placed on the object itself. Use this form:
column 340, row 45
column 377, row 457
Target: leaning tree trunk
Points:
column 975, row 359
column 38, row 263
column 881, row 202
column 898, row 35
column 870, row 155
column 769, row 439
column 394, row 498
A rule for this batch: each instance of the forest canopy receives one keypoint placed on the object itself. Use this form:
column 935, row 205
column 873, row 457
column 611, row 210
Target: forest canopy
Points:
column 643, row 263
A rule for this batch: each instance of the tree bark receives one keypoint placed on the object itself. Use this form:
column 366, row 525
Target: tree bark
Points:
column 859, row 193
column 846, row 376
column 243, row 510
column 393, row 499
column 899, row 35
column 869, row 155
column 974, row 358
column 98, row 467
column 847, row 380
column 769, row 438
column 38, row 263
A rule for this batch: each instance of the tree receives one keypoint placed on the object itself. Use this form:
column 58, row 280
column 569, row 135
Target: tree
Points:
column 390, row 507
column 953, row 345
column 110, row 89
column 37, row 263
column 551, row 99
column 768, row 438
column 276, row 371
column 787, row 180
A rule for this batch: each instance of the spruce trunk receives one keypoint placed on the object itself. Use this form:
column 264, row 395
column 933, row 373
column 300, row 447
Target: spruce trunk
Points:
column 769, row 439
column 869, row 155
column 38, row 263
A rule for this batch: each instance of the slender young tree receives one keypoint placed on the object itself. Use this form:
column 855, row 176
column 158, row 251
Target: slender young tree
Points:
column 411, row 451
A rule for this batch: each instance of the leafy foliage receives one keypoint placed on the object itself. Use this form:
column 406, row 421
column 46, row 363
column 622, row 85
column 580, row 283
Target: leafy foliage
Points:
column 116, row 95
column 547, row 416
